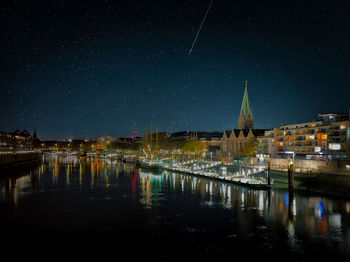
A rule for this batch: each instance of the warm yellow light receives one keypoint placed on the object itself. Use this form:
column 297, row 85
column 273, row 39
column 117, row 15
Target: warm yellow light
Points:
column 324, row 136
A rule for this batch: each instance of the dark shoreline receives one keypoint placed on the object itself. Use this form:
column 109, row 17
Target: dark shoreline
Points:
column 15, row 162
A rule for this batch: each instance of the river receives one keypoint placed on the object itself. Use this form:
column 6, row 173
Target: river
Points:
column 122, row 208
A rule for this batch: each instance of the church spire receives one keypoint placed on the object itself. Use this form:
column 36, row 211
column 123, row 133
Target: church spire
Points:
column 245, row 120
column 245, row 108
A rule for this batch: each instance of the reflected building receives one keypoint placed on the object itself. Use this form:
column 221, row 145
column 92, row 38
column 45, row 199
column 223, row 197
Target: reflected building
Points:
column 251, row 211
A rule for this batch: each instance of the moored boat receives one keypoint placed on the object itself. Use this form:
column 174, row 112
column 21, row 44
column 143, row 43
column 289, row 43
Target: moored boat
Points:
column 151, row 164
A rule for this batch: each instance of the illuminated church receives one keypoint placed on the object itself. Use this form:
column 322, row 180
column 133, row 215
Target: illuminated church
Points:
column 233, row 140
column 245, row 119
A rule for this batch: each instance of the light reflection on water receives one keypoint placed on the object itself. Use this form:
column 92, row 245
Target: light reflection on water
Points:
column 301, row 216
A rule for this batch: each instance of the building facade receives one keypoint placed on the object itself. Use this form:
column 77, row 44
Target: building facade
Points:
column 233, row 140
column 328, row 137
column 266, row 143
column 18, row 141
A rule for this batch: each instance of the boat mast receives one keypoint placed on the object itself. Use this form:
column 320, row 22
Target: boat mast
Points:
column 145, row 141
column 157, row 142
column 151, row 140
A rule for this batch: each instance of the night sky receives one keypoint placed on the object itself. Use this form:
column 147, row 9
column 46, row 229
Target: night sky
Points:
column 82, row 69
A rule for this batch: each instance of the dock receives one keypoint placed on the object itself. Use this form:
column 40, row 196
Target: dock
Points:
column 241, row 181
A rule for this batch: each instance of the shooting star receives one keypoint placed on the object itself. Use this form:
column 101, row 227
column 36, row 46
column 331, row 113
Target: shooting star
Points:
column 200, row 27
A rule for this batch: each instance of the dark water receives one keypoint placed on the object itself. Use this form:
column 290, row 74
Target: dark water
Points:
column 67, row 206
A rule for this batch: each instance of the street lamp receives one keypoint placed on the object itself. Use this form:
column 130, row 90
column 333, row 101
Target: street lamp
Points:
column 291, row 153
column 291, row 172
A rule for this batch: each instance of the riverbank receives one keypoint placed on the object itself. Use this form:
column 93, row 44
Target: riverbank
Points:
column 12, row 162
column 336, row 185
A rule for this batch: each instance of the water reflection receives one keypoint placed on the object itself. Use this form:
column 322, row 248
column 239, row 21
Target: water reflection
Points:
column 302, row 217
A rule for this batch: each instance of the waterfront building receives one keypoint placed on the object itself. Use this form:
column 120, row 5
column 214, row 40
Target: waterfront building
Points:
column 233, row 140
column 326, row 138
column 266, row 143
column 211, row 142
column 17, row 141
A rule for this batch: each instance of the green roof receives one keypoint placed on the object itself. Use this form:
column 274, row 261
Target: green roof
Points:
column 245, row 108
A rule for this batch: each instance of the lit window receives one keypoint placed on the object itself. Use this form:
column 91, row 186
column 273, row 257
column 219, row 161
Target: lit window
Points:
column 324, row 136
column 334, row 146
column 317, row 149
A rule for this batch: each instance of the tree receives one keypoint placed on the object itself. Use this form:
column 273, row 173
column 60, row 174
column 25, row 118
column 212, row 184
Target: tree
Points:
column 248, row 149
column 193, row 146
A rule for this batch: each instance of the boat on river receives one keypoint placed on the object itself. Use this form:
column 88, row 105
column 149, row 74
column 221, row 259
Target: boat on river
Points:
column 151, row 164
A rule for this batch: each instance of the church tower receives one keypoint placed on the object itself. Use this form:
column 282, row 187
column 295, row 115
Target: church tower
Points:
column 245, row 120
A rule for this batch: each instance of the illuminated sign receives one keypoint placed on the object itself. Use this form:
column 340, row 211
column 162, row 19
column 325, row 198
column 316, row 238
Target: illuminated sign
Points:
column 334, row 146
column 317, row 149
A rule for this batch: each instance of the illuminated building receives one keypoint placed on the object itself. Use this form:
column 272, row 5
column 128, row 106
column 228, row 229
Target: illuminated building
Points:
column 233, row 140
column 18, row 141
column 245, row 119
column 266, row 143
column 328, row 137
